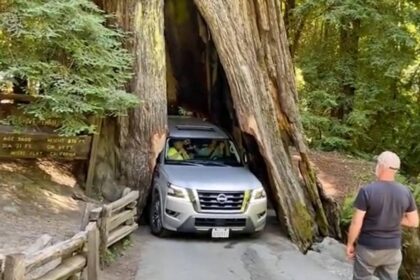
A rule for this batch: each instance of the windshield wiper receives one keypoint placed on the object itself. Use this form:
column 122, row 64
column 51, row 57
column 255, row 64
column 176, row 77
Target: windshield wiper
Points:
column 209, row 162
column 183, row 162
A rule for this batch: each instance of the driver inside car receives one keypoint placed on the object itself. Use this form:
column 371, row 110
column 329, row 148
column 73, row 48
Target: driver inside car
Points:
column 206, row 151
column 177, row 151
column 219, row 151
column 215, row 150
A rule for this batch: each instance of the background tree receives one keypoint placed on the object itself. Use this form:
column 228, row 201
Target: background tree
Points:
column 358, row 66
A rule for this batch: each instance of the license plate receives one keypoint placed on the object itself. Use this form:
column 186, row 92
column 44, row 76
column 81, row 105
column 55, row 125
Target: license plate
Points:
column 220, row 233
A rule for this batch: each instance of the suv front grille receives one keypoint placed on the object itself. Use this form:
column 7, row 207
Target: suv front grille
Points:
column 204, row 222
column 221, row 201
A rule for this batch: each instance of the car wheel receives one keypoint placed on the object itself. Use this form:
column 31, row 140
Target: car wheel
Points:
column 256, row 234
column 156, row 223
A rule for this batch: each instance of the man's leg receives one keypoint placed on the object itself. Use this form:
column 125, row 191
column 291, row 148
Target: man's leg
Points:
column 389, row 270
column 363, row 264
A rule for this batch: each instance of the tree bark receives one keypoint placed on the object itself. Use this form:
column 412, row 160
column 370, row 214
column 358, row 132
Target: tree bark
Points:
column 289, row 5
column 140, row 136
column 251, row 41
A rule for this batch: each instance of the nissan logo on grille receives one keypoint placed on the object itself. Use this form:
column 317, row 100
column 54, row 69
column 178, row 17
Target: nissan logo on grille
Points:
column 222, row 198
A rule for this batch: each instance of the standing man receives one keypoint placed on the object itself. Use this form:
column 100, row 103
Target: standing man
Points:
column 381, row 209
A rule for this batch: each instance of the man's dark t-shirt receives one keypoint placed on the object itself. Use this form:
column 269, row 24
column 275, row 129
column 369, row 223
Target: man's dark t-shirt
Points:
column 385, row 204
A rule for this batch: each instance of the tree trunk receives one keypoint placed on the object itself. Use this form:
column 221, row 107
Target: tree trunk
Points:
column 349, row 49
column 251, row 41
column 140, row 136
column 289, row 5
column 294, row 24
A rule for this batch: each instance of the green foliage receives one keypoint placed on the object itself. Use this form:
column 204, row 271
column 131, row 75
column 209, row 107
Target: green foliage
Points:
column 414, row 187
column 78, row 64
column 117, row 250
column 360, row 67
column 347, row 211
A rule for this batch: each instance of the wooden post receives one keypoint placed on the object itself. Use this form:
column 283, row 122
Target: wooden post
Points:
column 125, row 192
column 86, row 215
column 95, row 214
column 75, row 277
column 14, row 267
column 1, row 266
column 83, row 274
column 103, row 232
column 92, row 158
column 93, row 252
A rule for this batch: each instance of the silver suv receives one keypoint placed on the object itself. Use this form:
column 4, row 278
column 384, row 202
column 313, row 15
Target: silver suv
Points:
column 201, row 184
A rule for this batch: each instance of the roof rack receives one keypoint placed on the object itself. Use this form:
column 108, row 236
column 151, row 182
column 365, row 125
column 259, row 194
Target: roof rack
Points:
column 195, row 127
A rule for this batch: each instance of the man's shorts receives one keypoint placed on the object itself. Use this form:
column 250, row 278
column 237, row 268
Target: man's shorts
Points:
column 384, row 264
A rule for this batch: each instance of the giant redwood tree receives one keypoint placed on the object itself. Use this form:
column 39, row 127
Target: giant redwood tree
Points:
column 130, row 145
column 251, row 43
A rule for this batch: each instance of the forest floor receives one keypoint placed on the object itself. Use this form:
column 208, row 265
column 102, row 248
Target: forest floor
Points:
column 36, row 198
column 341, row 175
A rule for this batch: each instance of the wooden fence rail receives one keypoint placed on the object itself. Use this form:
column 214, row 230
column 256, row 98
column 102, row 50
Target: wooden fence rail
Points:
column 78, row 257
column 118, row 220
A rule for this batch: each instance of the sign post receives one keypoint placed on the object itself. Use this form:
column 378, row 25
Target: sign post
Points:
column 92, row 158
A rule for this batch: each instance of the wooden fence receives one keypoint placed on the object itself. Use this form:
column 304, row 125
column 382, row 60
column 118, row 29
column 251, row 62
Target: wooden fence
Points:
column 77, row 258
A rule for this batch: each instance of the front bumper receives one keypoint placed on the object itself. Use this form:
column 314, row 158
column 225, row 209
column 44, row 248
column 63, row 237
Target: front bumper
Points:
column 180, row 215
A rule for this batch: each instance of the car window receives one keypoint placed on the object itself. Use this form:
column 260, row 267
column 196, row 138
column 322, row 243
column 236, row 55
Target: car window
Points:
column 201, row 151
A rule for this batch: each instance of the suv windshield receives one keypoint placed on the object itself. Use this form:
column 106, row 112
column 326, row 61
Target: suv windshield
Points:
column 217, row 152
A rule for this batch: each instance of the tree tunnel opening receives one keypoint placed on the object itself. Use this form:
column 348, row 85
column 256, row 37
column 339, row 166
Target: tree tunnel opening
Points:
column 196, row 81
column 252, row 45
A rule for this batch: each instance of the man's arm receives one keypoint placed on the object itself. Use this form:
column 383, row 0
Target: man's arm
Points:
column 356, row 226
column 410, row 219
column 411, row 216
column 361, row 206
column 184, row 154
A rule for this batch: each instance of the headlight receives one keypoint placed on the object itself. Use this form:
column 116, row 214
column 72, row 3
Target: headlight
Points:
column 175, row 191
column 258, row 194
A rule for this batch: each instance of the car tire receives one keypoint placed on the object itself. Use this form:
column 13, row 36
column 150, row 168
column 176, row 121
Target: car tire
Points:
column 256, row 234
column 156, row 220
